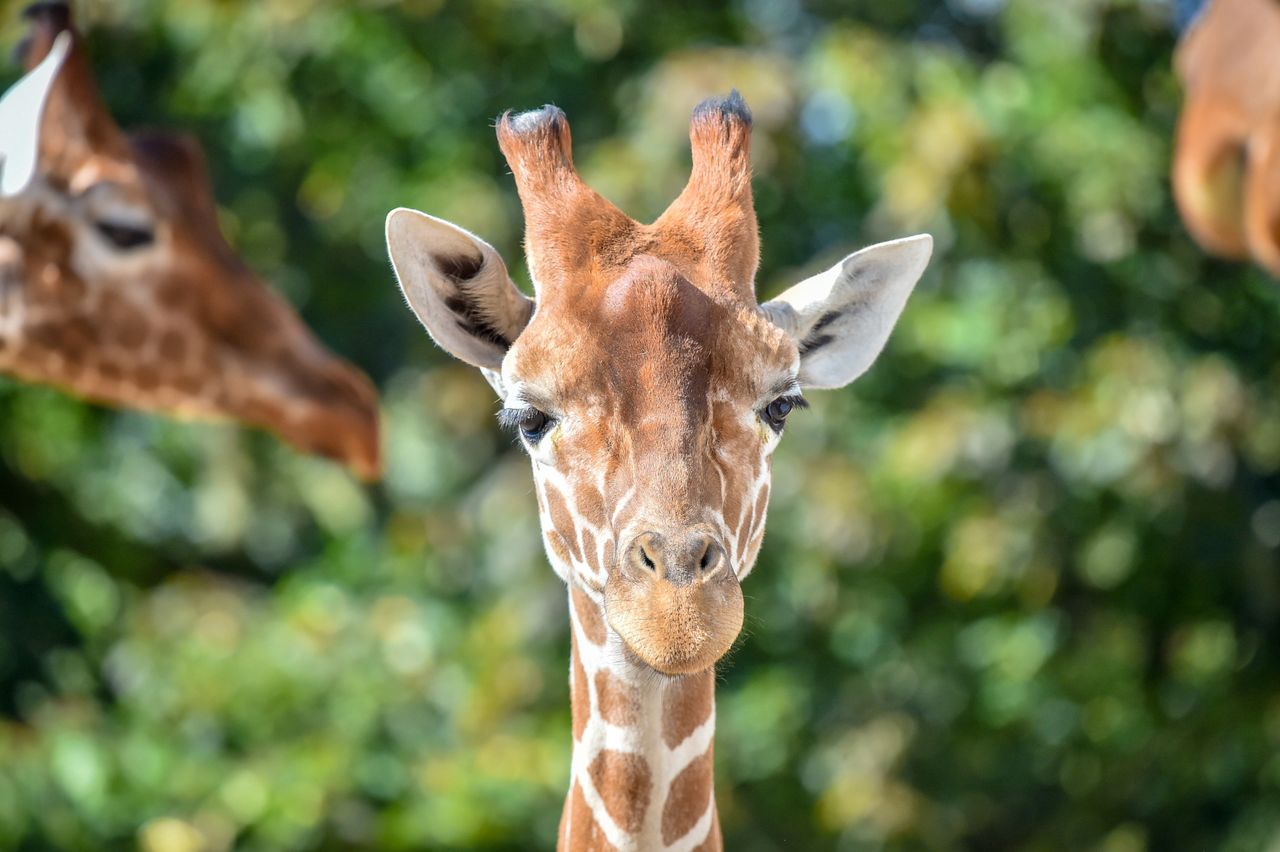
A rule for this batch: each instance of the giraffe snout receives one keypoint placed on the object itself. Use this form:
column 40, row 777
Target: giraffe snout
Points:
column 679, row 559
column 675, row 601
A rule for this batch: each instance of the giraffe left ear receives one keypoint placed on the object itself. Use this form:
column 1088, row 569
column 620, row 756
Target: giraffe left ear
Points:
column 458, row 286
column 21, row 111
column 840, row 319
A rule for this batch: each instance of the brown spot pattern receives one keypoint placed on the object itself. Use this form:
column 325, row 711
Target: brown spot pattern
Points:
column 688, row 800
column 127, row 324
column 589, row 616
column 171, row 346
column 732, row 508
column 562, row 521
column 562, row 833
column 584, row 834
column 686, row 704
column 555, row 543
column 624, row 783
column 589, row 550
column 581, row 709
column 591, row 505
column 617, row 699
column 147, row 378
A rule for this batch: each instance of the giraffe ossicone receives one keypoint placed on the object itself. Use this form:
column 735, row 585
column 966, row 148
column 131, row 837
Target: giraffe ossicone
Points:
column 650, row 390
column 117, row 285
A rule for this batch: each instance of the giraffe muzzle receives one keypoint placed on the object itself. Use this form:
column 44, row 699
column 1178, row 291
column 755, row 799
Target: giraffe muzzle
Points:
column 675, row 601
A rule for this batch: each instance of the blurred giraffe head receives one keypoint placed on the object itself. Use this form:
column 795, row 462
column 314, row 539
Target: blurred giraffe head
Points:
column 117, row 285
column 648, row 386
column 1226, row 159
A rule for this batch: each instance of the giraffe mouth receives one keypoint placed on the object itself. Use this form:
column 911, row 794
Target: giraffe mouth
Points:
column 675, row 629
column 325, row 408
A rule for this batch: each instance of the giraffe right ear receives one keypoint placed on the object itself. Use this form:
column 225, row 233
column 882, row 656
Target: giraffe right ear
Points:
column 458, row 286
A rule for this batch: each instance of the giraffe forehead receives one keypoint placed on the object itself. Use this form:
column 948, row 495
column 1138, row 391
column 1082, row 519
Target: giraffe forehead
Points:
column 650, row 337
column 653, row 296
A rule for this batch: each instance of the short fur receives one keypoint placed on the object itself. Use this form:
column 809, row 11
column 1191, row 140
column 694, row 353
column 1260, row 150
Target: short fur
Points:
column 652, row 368
column 117, row 285
column 1226, row 163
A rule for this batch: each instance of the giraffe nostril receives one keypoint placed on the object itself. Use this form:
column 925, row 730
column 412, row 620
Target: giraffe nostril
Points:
column 707, row 557
column 712, row 557
column 645, row 557
column 692, row 557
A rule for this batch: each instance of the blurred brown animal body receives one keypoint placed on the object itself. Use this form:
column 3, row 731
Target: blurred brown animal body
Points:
column 650, row 390
column 1226, row 167
column 117, row 285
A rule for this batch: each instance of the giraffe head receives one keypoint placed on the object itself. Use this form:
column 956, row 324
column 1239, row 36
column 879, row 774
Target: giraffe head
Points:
column 1226, row 159
column 646, row 383
column 117, row 284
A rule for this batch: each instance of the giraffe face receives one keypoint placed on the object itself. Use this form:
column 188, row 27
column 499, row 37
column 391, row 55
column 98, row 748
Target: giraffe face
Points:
column 650, row 414
column 117, row 284
column 646, row 383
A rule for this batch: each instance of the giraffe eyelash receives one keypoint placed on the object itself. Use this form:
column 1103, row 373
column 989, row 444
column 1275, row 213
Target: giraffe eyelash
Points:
column 775, row 413
column 528, row 422
column 795, row 400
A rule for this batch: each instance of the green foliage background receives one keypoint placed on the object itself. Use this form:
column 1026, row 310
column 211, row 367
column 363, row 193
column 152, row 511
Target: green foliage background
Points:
column 1020, row 586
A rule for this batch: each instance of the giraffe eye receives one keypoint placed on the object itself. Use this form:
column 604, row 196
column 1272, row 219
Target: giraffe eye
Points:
column 775, row 413
column 118, row 215
column 531, row 423
column 124, row 237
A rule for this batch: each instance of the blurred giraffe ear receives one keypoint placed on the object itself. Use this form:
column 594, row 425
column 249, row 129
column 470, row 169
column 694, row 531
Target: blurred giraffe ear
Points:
column 21, row 109
column 458, row 286
column 840, row 319
column 1262, row 197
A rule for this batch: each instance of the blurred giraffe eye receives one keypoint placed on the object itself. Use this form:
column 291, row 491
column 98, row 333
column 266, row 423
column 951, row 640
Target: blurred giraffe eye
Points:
column 118, row 214
column 775, row 413
column 125, row 237
column 531, row 423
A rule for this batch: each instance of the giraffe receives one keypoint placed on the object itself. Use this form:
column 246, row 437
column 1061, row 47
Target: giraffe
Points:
column 116, row 283
column 650, row 390
column 1226, row 159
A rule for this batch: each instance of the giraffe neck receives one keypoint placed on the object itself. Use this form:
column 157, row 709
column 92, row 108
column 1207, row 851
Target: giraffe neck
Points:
column 642, row 748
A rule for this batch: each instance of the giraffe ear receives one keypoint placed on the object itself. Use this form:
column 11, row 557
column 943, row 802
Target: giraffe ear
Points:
column 458, row 286
column 21, row 109
column 840, row 319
